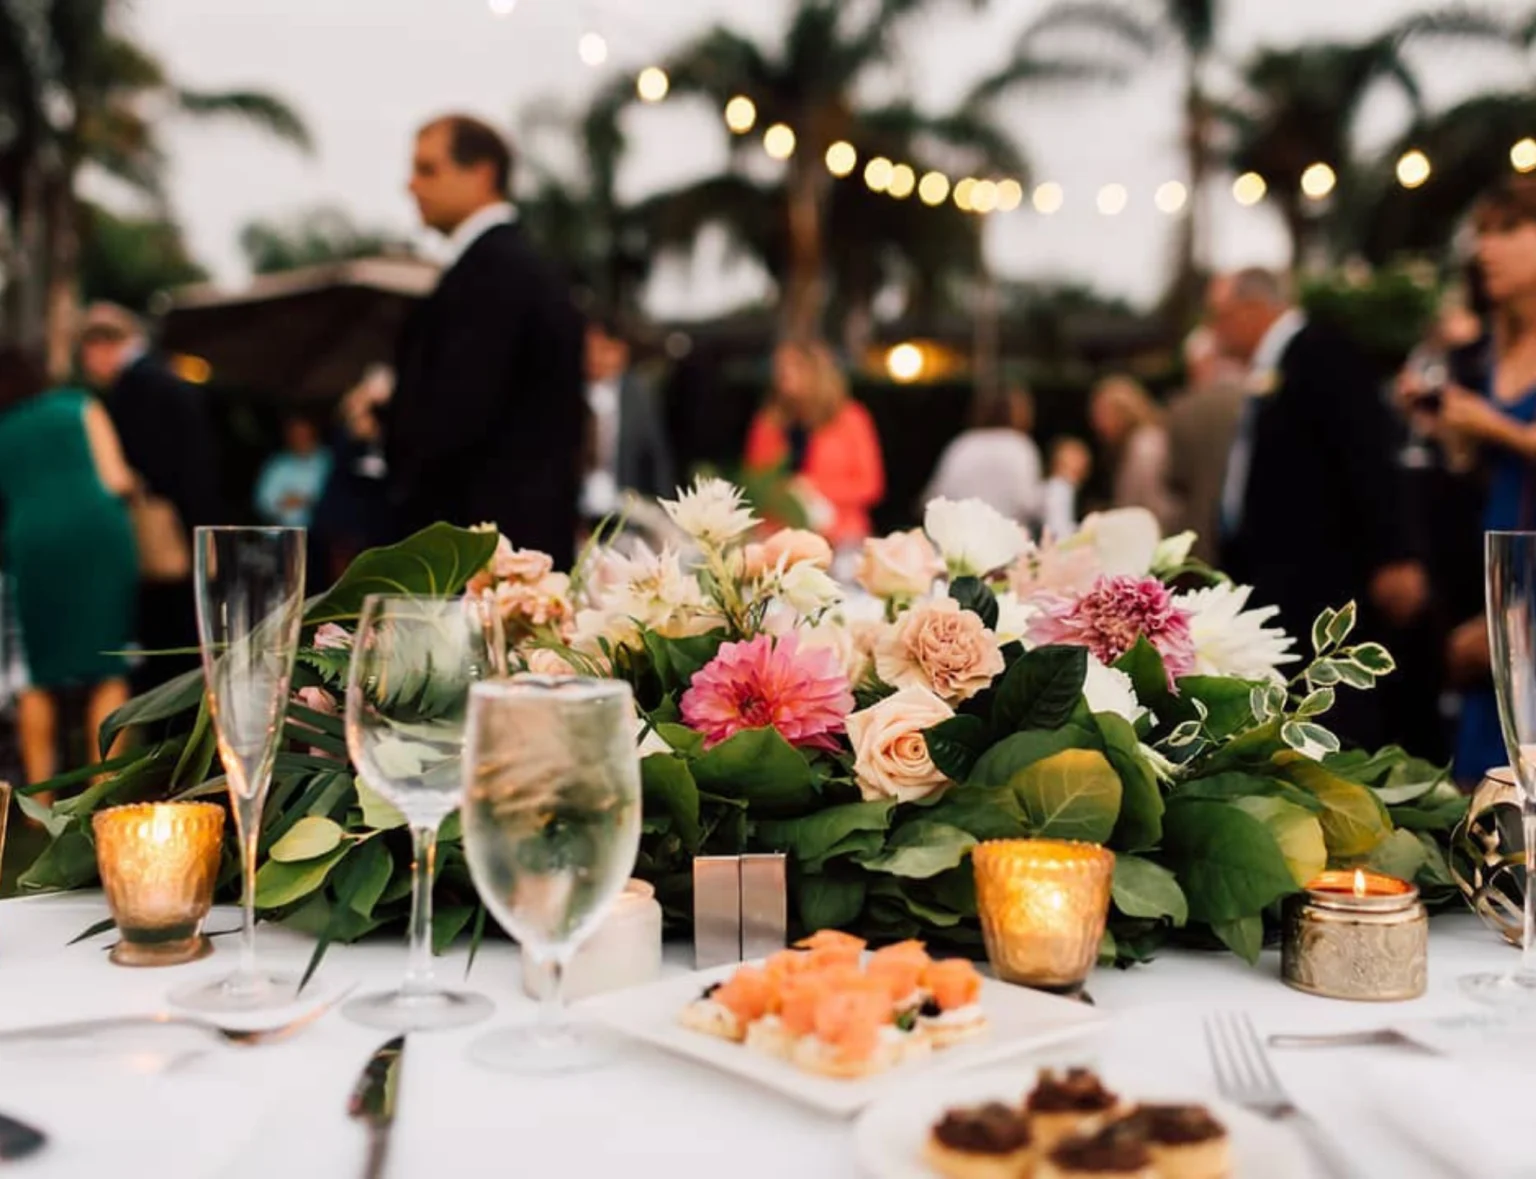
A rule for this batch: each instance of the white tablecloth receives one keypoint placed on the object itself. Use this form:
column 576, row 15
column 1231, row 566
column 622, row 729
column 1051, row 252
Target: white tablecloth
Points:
column 278, row 1112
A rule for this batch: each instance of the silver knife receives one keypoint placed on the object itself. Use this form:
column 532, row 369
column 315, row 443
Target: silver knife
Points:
column 373, row 1102
column 18, row 1140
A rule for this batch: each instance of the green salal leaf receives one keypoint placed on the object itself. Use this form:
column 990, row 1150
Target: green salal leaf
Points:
column 999, row 765
column 681, row 738
column 1354, row 820
column 1233, row 784
column 310, row 837
column 1073, row 795
column 973, row 594
column 669, row 788
column 921, row 849
column 1229, row 704
column 1341, row 625
column 826, row 901
column 815, row 837
column 1041, row 690
column 1148, row 674
column 956, row 744
column 68, row 862
column 1145, row 889
column 1296, row 830
column 1400, row 854
column 379, row 813
column 677, row 661
column 1244, row 937
column 760, row 768
column 279, row 884
column 1228, row 863
column 1320, row 627
column 1140, row 825
column 433, row 563
column 986, row 812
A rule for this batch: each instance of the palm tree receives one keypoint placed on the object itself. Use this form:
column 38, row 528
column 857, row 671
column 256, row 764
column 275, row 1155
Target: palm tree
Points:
column 807, row 82
column 314, row 236
column 1298, row 107
column 79, row 93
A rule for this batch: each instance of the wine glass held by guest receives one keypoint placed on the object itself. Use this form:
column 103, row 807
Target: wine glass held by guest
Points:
column 1500, row 420
column 1129, row 427
column 995, row 460
column 68, row 552
column 814, row 430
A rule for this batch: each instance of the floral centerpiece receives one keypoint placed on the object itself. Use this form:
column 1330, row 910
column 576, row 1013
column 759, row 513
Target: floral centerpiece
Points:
column 969, row 685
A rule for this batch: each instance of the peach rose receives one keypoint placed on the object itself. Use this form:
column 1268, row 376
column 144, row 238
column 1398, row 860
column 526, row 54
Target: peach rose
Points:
column 892, row 759
column 527, row 565
column 545, row 603
column 939, row 645
column 785, row 549
column 902, row 565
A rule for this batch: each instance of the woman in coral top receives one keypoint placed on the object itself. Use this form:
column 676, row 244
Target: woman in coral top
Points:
column 821, row 437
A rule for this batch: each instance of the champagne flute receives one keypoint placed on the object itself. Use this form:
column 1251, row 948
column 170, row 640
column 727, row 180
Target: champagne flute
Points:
column 551, row 832
column 250, row 608
column 1510, row 572
column 413, row 661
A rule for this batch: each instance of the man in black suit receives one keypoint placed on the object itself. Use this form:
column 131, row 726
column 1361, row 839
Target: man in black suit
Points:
column 169, row 441
column 627, row 448
column 486, row 419
column 1310, row 510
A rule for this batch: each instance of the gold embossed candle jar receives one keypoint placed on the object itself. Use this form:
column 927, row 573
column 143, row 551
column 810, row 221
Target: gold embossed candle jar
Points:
column 1043, row 905
column 158, row 865
column 1356, row 935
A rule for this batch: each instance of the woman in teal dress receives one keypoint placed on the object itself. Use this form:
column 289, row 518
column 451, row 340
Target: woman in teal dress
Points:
column 67, row 547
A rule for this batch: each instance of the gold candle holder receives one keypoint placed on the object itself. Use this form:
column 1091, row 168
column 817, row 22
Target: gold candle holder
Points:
column 1043, row 905
column 158, row 864
column 1356, row 935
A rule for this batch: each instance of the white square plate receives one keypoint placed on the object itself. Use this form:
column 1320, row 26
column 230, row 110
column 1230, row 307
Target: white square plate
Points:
column 1019, row 1021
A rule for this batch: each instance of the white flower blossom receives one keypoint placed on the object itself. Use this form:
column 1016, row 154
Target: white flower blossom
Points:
column 1013, row 617
column 1109, row 690
column 1172, row 552
column 711, row 512
column 1125, row 540
column 809, row 590
column 975, row 538
column 1231, row 640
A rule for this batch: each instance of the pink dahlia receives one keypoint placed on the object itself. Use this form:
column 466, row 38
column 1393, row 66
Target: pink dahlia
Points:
column 802, row 693
column 1112, row 615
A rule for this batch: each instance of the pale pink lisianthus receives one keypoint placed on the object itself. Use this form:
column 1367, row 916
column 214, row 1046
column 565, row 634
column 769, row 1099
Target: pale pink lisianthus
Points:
column 763, row 683
column 1112, row 615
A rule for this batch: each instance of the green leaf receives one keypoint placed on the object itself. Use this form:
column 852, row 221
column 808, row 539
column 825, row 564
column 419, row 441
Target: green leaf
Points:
column 922, row 849
column 1244, row 937
column 197, row 754
column 682, row 739
column 1296, row 830
column 973, row 595
column 310, row 837
column 1354, row 820
column 813, row 838
column 1148, row 674
column 986, row 812
column 1341, row 625
column 1316, row 703
column 1228, row 703
column 433, row 563
column 171, row 698
column 1302, row 736
column 677, row 661
column 1072, row 795
column 448, row 921
column 68, row 862
column 363, row 876
column 379, row 813
column 1140, row 825
column 669, row 788
column 829, row 902
column 760, row 768
column 1400, row 854
column 279, row 884
column 1375, row 658
column 1041, row 689
column 1236, row 784
column 955, row 744
column 998, row 765
column 1227, row 862
column 1320, row 626
column 1145, row 889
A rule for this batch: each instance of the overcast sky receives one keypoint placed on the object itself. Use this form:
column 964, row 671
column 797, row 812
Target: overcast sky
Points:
column 366, row 72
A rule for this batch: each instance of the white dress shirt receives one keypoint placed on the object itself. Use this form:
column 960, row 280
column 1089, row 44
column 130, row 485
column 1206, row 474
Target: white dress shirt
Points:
column 998, row 466
column 1263, row 380
column 473, row 227
column 600, row 489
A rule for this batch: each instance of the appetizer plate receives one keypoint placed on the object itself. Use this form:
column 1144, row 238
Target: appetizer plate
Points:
column 890, row 1136
column 1019, row 1021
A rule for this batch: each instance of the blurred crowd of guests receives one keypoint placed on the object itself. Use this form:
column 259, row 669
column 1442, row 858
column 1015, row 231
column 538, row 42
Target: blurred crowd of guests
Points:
column 507, row 405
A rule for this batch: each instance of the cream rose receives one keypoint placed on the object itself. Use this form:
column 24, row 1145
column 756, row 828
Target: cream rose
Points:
column 891, row 753
column 939, row 645
column 785, row 549
column 902, row 565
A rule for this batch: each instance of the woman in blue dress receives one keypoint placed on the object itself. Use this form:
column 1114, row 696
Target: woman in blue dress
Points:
column 1501, row 420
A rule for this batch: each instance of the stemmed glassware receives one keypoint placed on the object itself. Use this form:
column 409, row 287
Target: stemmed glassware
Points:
column 1511, row 587
column 551, row 831
column 250, row 609
column 413, row 662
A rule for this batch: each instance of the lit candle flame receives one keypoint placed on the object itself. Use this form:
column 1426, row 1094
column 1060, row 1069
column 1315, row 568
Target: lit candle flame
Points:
column 1359, row 883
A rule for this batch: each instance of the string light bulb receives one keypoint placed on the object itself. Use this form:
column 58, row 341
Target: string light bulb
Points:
column 877, row 173
column 1318, row 181
column 592, row 49
column 741, row 114
column 1171, row 197
column 842, row 158
column 1523, row 155
column 1413, row 169
column 1249, row 189
column 933, row 189
column 779, row 141
column 652, row 84
column 984, row 197
column 1112, row 199
column 501, row 7
column 1010, row 195
column 903, row 182
column 964, row 195
column 1049, row 198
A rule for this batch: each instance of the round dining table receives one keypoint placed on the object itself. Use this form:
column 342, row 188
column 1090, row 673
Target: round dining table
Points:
column 174, row 1104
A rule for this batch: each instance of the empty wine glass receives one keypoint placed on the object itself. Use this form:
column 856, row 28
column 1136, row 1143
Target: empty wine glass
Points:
column 1510, row 572
column 551, row 831
column 413, row 661
column 250, row 608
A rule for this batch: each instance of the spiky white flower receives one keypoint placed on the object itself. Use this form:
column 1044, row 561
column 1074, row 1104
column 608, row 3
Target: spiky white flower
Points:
column 648, row 588
column 1230, row 639
column 711, row 512
column 1109, row 690
column 974, row 537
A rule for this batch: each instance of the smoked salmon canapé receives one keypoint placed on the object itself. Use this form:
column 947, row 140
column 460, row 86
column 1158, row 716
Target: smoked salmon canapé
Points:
column 830, row 1007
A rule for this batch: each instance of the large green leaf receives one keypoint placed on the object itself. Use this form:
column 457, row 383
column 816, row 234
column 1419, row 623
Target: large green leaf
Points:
column 310, row 837
column 1072, row 795
column 1295, row 829
column 921, row 849
column 279, row 884
column 1145, row 889
column 825, row 901
column 955, row 744
column 1041, row 689
column 1244, row 936
column 1140, row 825
column 677, row 661
column 379, row 814
column 1354, row 820
column 986, row 812
column 973, row 595
column 1400, row 854
column 1228, row 863
column 669, row 788
column 1226, row 702
column 171, row 698
column 760, row 768
column 1148, row 674
column 999, row 765
column 1237, row 784
column 433, row 563
column 67, row 862
column 814, row 838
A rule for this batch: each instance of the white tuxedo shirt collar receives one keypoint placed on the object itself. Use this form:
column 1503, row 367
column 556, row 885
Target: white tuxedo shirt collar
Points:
column 475, row 226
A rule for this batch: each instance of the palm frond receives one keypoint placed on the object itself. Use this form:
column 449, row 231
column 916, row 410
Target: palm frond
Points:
column 1031, row 69
column 719, row 64
column 1196, row 23
column 747, row 211
column 1117, row 22
column 261, row 110
column 1454, row 21
column 902, row 130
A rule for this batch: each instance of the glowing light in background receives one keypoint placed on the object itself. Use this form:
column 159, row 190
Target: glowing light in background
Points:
column 841, row 158
column 1318, row 181
column 1049, row 198
column 933, row 189
column 877, row 173
column 984, row 197
column 652, row 84
column 501, row 7
column 740, row 114
column 905, row 363
column 903, row 181
column 1112, row 199
column 1523, row 155
column 1249, row 189
column 1171, row 197
column 592, row 49
column 1413, row 170
column 1010, row 195
column 779, row 141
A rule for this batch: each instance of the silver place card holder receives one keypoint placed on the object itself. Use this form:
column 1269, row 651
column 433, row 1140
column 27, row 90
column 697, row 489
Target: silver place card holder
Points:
column 764, row 905
column 716, row 911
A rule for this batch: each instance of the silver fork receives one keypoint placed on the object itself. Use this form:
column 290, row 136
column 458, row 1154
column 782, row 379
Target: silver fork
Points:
column 1244, row 1077
column 242, row 1037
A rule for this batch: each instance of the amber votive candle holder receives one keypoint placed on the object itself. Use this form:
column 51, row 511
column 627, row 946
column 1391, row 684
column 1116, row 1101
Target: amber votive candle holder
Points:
column 158, row 863
column 1043, row 905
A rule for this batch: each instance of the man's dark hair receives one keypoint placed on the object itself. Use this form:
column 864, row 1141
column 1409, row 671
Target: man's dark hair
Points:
column 472, row 141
